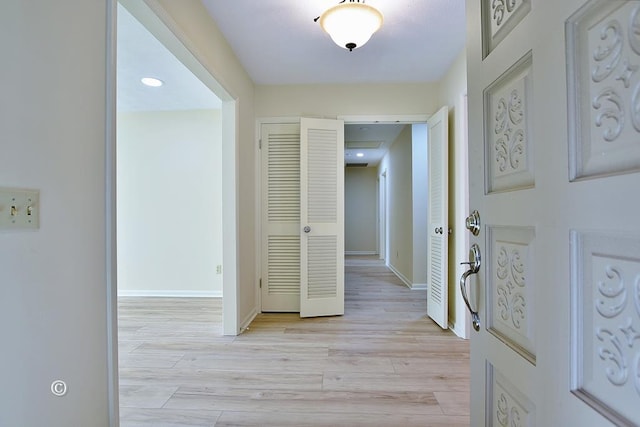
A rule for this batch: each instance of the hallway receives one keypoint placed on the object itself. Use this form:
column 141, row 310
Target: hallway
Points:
column 383, row 363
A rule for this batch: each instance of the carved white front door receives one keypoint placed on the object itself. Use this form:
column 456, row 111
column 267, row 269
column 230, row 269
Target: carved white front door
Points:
column 554, row 156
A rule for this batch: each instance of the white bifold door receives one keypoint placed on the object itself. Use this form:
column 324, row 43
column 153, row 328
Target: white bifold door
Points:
column 438, row 232
column 303, row 217
column 554, row 162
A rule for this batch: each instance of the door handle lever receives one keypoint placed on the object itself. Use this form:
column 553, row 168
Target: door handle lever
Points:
column 474, row 266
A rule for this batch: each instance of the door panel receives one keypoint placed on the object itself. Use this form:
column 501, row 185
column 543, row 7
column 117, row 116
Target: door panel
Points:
column 438, row 237
column 281, row 217
column 511, row 288
column 604, row 55
column 553, row 95
column 606, row 276
column 509, row 150
column 322, row 217
column 603, row 49
column 507, row 405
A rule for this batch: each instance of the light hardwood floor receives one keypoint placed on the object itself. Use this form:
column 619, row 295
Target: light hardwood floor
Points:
column 383, row 363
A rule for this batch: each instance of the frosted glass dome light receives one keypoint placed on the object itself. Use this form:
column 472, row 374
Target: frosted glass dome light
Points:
column 351, row 24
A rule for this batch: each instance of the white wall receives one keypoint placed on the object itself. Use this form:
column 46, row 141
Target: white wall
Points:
column 420, row 198
column 360, row 210
column 169, row 203
column 397, row 163
column 53, row 290
column 452, row 87
column 353, row 99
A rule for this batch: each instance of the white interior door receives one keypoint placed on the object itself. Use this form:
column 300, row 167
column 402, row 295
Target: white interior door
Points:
column 321, row 217
column 554, row 126
column 438, row 236
column 383, row 215
column 280, row 151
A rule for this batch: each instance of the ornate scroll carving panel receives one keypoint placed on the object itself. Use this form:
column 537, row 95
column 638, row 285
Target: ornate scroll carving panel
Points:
column 508, row 141
column 511, row 288
column 606, row 327
column 603, row 49
column 506, row 405
column 499, row 17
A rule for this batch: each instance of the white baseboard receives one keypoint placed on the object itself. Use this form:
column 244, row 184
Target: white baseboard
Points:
column 169, row 293
column 244, row 325
column 400, row 275
column 419, row 287
column 361, row 252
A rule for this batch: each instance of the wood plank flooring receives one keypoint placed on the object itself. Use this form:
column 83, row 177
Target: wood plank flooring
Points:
column 383, row 363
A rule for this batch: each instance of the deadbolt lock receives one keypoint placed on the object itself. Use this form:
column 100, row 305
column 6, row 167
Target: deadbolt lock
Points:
column 473, row 223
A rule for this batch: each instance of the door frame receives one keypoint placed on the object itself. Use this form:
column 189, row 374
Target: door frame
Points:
column 461, row 328
column 353, row 119
column 348, row 119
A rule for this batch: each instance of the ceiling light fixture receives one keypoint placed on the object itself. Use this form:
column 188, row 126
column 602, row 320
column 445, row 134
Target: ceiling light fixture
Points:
column 351, row 23
column 151, row 81
column 359, row 154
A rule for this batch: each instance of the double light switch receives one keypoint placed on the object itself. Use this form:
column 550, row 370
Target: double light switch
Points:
column 19, row 209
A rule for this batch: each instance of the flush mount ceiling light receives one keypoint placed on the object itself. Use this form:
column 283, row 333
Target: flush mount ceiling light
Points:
column 151, row 81
column 351, row 23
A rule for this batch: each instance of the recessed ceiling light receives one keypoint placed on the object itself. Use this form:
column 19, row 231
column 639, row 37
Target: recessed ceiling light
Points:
column 150, row 81
column 359, row 154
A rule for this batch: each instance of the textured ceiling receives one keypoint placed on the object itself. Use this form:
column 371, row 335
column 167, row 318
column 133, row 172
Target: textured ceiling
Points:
column 140, row 54
column 278, row 43
column 357, row 136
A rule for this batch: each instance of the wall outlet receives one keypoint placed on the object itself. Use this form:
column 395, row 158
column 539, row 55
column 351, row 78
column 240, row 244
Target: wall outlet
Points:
column 19, row 209
column 218, row 269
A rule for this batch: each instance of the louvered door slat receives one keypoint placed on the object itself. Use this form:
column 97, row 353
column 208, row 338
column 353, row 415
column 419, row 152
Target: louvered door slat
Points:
column 322, row 267
column 281, row 219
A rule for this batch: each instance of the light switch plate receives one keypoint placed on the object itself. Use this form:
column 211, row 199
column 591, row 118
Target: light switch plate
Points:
column 19, row 209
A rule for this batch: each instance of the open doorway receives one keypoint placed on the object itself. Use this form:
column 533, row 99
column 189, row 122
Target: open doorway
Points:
column 458, row 207
column 180, row 48
column 169, row 146
column 366, row 145
column 386, row 195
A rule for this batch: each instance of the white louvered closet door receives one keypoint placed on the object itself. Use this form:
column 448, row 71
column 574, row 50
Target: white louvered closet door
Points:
column 437, row 293
column 280, row 217
column 321, row 217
